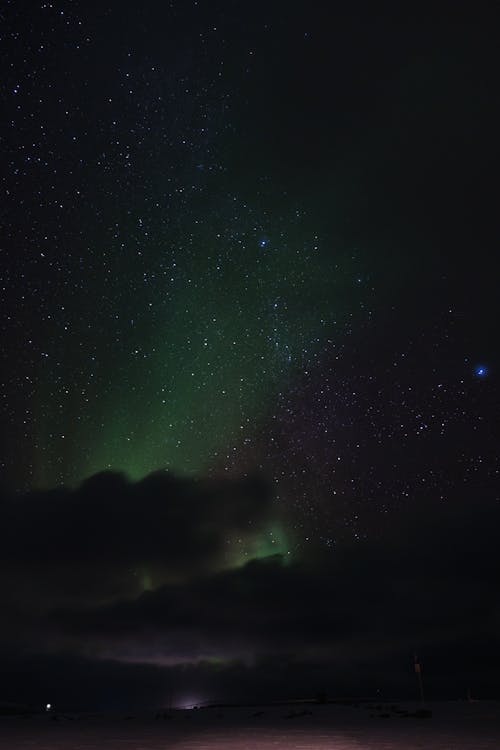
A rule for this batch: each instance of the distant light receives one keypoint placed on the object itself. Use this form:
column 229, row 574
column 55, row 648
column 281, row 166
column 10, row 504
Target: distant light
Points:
column 481, row 371
column 189, row 702
column 48, row 706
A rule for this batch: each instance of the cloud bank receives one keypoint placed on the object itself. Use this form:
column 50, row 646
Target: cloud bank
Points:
column 348, row 619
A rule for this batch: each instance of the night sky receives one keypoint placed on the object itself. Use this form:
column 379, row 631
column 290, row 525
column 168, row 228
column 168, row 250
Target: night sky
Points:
column 249, row 350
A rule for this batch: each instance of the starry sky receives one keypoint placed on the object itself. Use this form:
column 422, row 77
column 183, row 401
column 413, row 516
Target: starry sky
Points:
column 248, row 251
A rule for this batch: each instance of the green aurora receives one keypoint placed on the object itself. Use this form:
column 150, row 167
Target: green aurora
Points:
column 183, row 362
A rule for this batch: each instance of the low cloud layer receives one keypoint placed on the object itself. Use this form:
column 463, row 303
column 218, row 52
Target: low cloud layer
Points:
column 348, row 619
column 112, row 539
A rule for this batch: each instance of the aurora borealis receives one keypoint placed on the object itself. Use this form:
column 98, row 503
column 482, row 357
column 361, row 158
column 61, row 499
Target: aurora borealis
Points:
column 249, row 302
column 207, row 301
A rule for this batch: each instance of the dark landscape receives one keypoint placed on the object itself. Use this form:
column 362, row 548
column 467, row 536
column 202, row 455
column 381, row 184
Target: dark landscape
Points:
column 363, row 726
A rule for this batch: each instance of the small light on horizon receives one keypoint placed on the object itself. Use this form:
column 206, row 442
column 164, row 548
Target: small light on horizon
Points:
column 188, row 703
column 48, row 706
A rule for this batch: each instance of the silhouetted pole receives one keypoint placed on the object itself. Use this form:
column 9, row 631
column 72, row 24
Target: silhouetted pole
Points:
column 418, row 672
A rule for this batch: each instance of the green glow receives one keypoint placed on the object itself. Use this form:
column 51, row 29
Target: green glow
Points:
column 273, row 540
column 195, row 365
column 146, row 581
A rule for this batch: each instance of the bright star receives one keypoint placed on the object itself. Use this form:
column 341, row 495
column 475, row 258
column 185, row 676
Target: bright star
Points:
column 481, row 371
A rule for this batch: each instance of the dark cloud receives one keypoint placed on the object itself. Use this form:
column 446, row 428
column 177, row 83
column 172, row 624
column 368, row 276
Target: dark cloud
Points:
column 349, row 618
column 159, row 519
column 427, row 583
column 114, row 538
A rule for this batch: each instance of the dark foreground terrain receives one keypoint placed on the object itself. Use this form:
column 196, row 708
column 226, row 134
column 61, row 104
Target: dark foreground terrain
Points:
column 388, row 726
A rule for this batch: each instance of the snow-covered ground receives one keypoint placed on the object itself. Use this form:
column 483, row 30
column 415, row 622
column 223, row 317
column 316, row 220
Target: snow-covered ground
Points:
column 453, row 726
